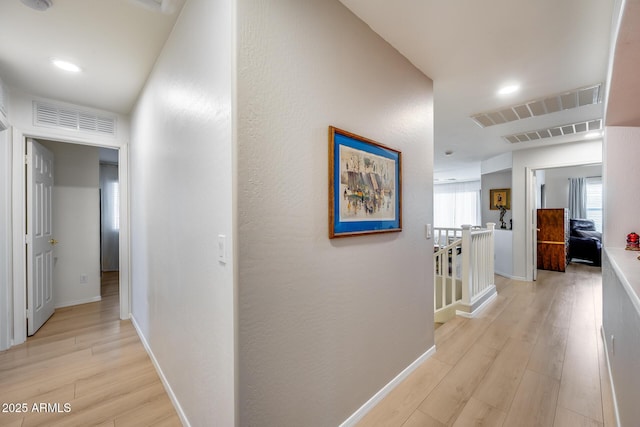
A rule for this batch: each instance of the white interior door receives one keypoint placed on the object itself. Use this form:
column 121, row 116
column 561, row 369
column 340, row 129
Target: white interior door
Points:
column 40, row 241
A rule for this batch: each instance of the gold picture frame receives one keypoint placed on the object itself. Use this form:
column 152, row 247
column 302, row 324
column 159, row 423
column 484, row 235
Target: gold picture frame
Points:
column 500, row 197
column 365, row 186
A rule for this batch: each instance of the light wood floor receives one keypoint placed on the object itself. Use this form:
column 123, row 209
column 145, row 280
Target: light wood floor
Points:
column 86, row 357
column 534, row 357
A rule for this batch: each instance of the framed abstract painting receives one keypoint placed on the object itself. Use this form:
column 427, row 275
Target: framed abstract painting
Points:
column 365, row 186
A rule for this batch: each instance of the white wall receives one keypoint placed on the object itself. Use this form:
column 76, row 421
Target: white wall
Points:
column 620, row 177
column 503, row 246
column 76, row 223
column 541, row 190
column 324, row 324
column 490, row 181
column 557, row 183
column 621, row 314
column 6, row 294
column 181, row 200
column 570, row 154
column 498, row 163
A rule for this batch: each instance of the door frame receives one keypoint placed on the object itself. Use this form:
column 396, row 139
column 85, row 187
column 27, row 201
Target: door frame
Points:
column 530, row 194
column 6, row 319
column 530, row 208
column 18, row 199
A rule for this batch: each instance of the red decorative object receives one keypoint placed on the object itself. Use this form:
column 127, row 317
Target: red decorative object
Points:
column 633, row 242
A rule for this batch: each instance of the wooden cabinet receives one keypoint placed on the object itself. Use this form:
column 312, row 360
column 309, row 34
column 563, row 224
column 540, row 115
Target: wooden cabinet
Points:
column 553, row 239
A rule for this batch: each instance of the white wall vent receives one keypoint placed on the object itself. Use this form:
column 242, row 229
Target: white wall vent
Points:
column 570, row 129
column 56, row 116
column 538, row 107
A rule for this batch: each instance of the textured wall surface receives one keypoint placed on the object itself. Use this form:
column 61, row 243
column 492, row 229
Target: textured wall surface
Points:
column 181, row 200
column 324, row 324
column 620, row 177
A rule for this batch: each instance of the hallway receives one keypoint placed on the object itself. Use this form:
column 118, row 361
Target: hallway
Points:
column 86, row 357
column 534, row 357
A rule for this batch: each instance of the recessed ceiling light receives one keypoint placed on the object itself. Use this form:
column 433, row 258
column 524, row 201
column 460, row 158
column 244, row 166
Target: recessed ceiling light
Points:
column 448, row 153
column 65, row 65
column 508, row 89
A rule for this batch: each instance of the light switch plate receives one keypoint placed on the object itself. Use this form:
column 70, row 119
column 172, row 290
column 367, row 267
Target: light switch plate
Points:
column 222, row 248
column 427, row 231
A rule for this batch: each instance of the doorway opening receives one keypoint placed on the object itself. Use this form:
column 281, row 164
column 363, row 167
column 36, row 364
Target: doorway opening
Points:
column 548, row 188
column 85, row 219
column 18, row 231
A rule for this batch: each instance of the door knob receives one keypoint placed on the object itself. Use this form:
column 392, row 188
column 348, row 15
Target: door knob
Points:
column 53, row 242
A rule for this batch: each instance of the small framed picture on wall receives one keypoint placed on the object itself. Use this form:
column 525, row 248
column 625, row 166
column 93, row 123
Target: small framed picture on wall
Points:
column 500, row 197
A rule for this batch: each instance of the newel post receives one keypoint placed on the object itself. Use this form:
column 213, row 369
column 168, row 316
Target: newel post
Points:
column 466, row 264
column 492, row 250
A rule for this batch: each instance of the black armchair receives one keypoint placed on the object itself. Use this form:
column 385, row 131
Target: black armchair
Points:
column 585, row 242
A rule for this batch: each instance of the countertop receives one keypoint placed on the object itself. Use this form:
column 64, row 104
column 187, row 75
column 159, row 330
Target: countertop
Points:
column 626, row 265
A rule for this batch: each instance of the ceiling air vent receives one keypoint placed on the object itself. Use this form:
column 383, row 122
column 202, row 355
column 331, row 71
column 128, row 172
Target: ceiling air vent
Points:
column 50, row 115
column 570, row 129
column 538, row 107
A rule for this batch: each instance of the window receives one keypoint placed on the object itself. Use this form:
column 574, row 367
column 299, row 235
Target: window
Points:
column 115, row 207
column 456, row 204
column 594, row 201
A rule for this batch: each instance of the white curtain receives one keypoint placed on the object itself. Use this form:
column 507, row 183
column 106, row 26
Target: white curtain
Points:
column 456, row 204
column 577, row 198
column 594, row 201
column 110, row 216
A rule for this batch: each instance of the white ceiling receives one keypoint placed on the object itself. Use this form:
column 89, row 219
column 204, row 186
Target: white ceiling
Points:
column 468, row 47
column 115, row 42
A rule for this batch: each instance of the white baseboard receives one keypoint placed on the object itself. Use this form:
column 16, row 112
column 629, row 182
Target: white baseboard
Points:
column 500, row 273
column 479, row 309
column 165, row 383
column 78, row 302
column 371, row 403
column 512, row 277
column 613, row 389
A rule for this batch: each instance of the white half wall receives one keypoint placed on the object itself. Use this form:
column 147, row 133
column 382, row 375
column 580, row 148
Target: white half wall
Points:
column 181, row 202
column 324, row 324
column 76, row 223
column 503, row 246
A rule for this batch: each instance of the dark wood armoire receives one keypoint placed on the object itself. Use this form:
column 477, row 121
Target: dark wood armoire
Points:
column 553, row 239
